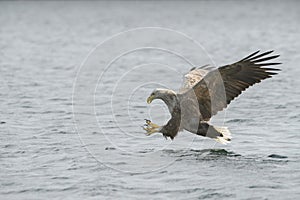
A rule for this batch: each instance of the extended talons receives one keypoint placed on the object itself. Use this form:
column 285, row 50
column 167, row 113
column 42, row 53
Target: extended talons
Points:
column 149, row 123
column 150, row 127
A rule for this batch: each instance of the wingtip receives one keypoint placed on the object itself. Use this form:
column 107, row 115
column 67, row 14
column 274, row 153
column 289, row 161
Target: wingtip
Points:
column 250, row 56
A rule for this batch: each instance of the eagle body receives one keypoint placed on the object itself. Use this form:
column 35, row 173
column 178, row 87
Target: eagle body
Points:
column 207, row 90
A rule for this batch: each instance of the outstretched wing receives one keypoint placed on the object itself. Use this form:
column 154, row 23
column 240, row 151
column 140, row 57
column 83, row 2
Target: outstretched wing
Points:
column 219, row 87
column 193, row 77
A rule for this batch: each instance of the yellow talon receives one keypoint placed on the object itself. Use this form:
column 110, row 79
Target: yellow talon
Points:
column 151, row 132
column 149, row 123
column 151, row 127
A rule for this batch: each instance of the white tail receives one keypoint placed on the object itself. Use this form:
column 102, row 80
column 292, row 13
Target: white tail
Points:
column 226, row 135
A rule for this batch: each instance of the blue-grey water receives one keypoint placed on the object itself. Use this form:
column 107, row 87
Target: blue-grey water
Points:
column 70, row 131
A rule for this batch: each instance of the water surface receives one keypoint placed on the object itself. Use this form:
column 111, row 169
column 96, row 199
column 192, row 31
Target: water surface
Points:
column 42, row 157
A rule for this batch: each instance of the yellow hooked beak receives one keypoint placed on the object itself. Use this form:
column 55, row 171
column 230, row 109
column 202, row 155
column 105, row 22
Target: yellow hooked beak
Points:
column 150, row 99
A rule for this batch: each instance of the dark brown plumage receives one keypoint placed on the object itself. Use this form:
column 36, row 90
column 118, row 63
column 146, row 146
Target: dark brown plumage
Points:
column 220, row 86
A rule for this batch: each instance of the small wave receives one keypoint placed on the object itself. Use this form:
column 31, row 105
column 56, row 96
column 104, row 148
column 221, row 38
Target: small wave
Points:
column 110, row 148
column 58, row 99
column 238, row 120
column 208, row 153
column 265, row 187
column 224, row 152
column 9, row 146
column 140, row 106
column 216, row 152
column 62, row 132
column 146, row 151
column 60, row 177
column 41, row 190
column 277, row 156
column 280, row 107
column 294, row 117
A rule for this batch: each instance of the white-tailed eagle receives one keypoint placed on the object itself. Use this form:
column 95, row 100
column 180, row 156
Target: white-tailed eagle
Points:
column 207, row 90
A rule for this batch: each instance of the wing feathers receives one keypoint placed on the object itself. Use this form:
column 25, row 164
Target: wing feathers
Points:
column 232, row 79
column 264, row 59
column 253, row 54
column 268, row 64
column 261, row 55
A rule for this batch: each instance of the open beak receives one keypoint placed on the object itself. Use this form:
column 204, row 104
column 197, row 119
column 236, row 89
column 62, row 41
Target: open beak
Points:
column 150, row 99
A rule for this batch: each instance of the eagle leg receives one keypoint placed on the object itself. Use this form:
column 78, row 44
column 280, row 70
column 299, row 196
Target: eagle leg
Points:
column 151, row 127
column 150, row 131
column 149, row 123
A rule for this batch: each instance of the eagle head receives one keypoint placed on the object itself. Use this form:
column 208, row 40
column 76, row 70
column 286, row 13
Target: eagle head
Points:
column 163, row 94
